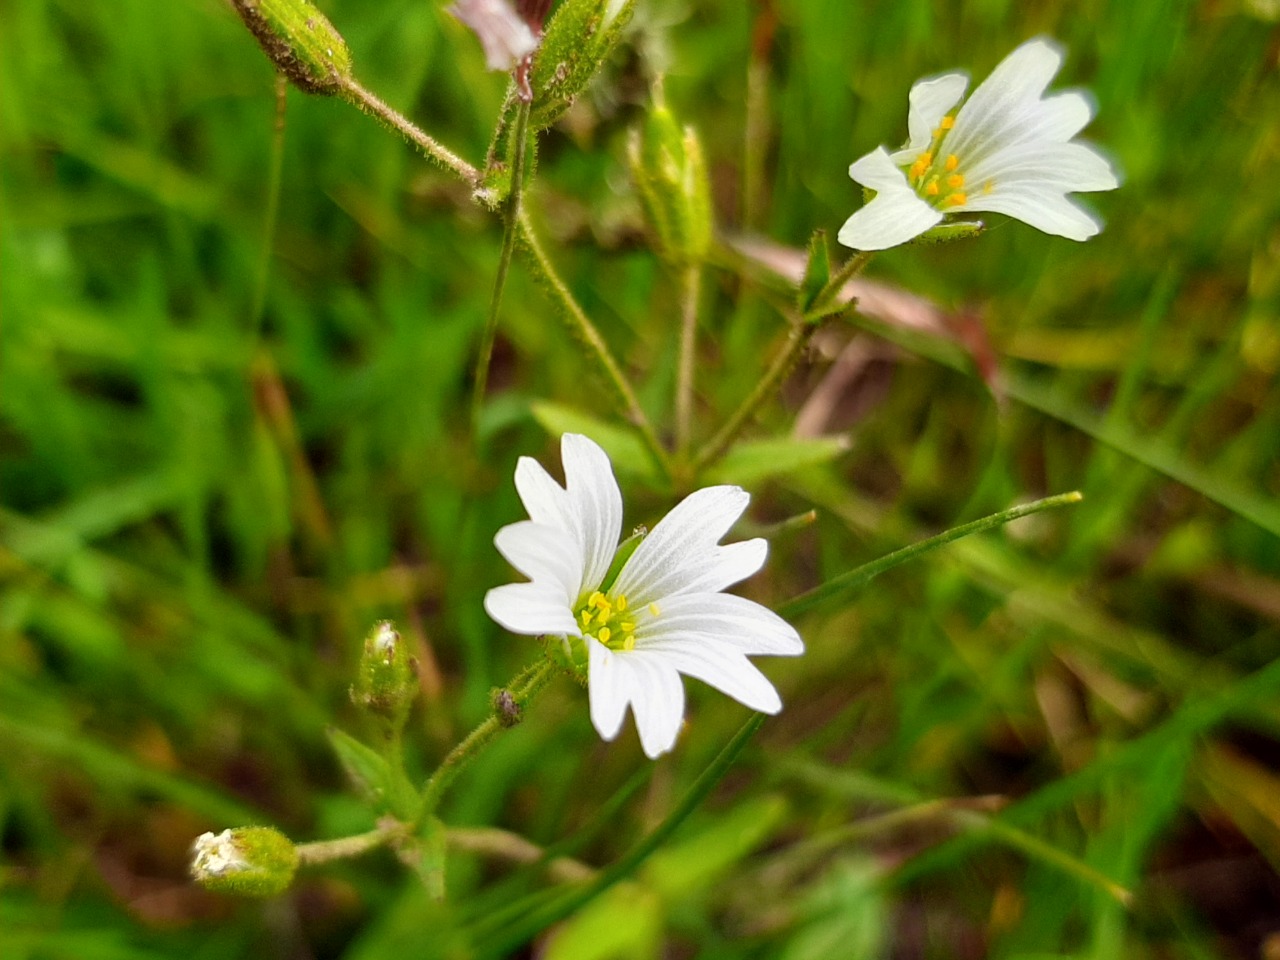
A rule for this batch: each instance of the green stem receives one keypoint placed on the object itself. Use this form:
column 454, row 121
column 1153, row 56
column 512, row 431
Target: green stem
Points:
column 323, row 851
column 690, row 288
column 504, row 263
column 798, row 338
column 835, row 286
column 868, row 571
column 585, row 331
column 457, row 759
column 375, row 107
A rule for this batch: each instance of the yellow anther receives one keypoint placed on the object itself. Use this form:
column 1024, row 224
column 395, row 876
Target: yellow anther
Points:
column 931, row 188
column 988, row 186
column 621, row 603
column 596, row 599
column 925, row 159
column 956, row 199
column 626, row 626
column 629, row 642
column 952, row 161
column 947, row 123
column 604, row 634
column 586, row 617
column 955, row 181
column 653, row 609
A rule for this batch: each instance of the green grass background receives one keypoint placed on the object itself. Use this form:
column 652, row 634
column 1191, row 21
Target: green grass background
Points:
column 201, row 514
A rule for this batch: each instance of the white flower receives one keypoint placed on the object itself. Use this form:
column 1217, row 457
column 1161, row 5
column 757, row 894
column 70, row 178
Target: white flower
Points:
column 506, row 38
column 661, row 616
column 1008, row 149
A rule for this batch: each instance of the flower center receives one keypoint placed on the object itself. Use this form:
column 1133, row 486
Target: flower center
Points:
column 935, row 175
column 608, row 620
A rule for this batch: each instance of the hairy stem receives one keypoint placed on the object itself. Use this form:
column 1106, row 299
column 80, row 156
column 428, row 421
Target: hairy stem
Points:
column 585, row 332
column 375, row 107
column 504, row 263
column 690, row 288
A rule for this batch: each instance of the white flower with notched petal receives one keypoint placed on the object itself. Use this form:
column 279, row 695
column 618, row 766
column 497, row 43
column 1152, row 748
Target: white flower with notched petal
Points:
column 1008, row 149
column 662, row 614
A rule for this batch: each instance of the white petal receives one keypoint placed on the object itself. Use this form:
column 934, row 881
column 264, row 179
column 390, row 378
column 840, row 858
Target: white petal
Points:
column 531, row 609
column 1065, row 114
column 544, row 554
column 718, row 665
column 675, row 552
column 657, row 701
column 1061, row 167
column 721, row 568
column 544, row 500
column 894, row 216
column 1005, row 102
column 596, row 501
column 721, row 617
column 649, row 684
column 930, row 100
column 609, row 685
column 1041, row 208
column 505, row 37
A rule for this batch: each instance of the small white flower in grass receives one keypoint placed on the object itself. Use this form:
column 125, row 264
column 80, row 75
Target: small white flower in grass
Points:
column 663, row 614
column 1009, row 149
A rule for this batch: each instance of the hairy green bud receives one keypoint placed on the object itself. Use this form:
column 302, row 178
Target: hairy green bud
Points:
column 300, row 41
column 385, row 682
column 246, row 861
column 668, row 168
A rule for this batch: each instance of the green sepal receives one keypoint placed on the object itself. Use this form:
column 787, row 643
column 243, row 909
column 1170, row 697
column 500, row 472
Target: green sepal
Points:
column 670, row 174
column 621, row 556
column 375, row 779
column 951, row 230
column 817, row 274
column 300, row 41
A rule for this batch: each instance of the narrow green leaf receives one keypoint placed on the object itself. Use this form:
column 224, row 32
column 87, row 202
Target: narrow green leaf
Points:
column 752, row 461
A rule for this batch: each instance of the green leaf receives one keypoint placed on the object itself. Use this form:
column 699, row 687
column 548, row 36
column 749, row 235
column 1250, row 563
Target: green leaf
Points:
column 753, row 461
column 374, row 778
column 624, row 447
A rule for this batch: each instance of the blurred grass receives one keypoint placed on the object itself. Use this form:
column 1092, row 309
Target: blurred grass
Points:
column 199, row 518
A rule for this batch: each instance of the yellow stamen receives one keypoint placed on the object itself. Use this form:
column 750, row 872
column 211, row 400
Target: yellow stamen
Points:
column 952, row 161
column 947, row 123
column 596, row 599
column 956, row 199
column 988, row 186
column 586, row 617
column 621, row 603
column 604, row 634
column 931, row 188
column 925, row 159
column 955, row 181
column 629, row 642
column 626, row 626
column 653, row 609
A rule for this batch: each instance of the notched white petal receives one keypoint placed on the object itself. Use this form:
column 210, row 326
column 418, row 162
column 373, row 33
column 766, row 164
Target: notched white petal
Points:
column 609, row 685
column 720, row 666
column 544, row 554
column 657, row 702
column 595, row 500
column 929, row 101
column 544, row 500
column 532, row 609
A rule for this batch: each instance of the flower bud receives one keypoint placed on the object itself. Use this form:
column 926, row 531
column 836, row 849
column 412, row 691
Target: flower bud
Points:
column 385, row 684
column 300, row 41
column 671, row 175
column 247, row 861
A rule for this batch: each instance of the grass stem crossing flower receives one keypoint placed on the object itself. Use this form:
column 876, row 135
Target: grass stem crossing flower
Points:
column 1008, row 149
column 662, row 615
